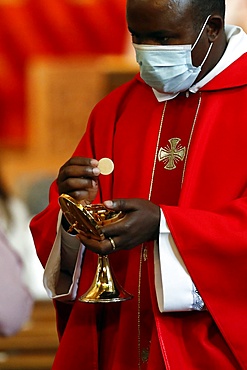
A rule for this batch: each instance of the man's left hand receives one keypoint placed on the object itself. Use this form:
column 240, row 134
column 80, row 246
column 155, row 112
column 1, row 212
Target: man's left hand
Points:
column 140, row 224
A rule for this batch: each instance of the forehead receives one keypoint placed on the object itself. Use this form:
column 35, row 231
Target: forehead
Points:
column 154, row 15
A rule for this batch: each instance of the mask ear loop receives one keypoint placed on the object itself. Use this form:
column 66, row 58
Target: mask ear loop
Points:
column 209, row 49
column 198, row 37
column 202, row 29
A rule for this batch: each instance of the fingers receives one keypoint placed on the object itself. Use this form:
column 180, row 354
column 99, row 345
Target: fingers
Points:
column 140, row 222
column 78, row 177
column 79, row 167
column 125, row 205
column 103, row 247
column 120, row 227
column 79, row 188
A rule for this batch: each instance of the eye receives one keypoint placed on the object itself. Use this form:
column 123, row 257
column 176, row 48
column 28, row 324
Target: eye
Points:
column 156, row 38
column 163, row 40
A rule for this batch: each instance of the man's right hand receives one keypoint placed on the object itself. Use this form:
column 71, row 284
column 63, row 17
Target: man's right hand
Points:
column 78, row 177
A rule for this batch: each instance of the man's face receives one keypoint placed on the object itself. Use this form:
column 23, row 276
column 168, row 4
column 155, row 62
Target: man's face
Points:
column 165, row 22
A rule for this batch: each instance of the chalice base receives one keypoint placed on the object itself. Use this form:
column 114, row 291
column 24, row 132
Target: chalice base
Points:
column 105, row 287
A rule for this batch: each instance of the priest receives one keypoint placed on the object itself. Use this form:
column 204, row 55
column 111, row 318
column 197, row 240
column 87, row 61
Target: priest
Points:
column 177, row 136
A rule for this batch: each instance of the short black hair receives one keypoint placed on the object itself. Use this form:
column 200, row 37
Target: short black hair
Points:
column 203, row 8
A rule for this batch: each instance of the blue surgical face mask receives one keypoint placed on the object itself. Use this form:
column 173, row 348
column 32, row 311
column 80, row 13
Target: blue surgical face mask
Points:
column 169, row 68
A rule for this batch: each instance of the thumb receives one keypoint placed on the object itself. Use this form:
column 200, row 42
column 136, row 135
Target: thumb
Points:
column 109, row 204
column 118, row 204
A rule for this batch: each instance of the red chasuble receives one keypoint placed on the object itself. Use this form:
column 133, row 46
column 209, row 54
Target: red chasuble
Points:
column 207, row 219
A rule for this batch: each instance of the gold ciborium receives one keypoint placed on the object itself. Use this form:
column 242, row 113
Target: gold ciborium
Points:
column 87, row 218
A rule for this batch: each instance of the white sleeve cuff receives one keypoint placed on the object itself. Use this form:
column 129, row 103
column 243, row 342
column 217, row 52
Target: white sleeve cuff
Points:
column 52, row 268
column 174, row 286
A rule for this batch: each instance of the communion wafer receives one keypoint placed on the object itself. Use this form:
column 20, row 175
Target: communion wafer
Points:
column 106, row 166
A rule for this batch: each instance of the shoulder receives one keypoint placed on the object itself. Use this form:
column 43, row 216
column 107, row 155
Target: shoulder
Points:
column 121, row 94
column 234, row 76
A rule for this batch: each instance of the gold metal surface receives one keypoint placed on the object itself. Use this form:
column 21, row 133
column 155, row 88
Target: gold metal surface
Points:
column 105, row 288
column 87, row 218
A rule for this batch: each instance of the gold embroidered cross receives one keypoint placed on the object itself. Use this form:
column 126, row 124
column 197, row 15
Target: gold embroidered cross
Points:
column 172, row 154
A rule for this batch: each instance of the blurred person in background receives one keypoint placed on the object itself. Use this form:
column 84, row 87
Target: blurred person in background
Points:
column 16, row 300
column 14, row 222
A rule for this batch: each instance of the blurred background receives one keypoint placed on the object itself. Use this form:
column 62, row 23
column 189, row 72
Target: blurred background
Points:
column 58, row 58
column 50, row 77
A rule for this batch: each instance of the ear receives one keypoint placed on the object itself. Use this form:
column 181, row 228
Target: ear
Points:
column 214, row 26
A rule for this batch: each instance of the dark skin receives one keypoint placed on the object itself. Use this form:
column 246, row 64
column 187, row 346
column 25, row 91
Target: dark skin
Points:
column 160, row 22
column 169, row 22
column 79, row 178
